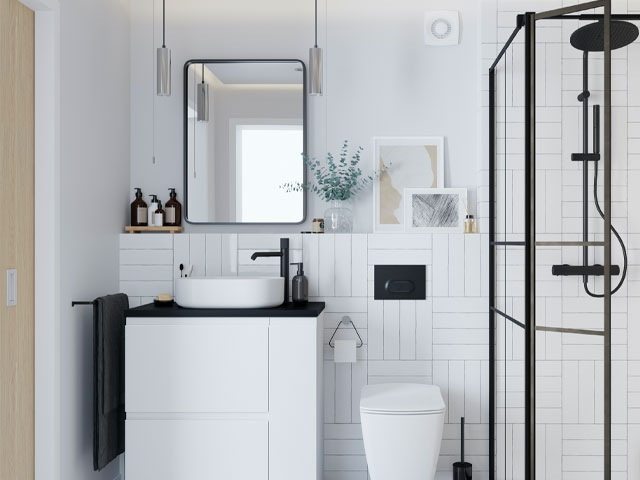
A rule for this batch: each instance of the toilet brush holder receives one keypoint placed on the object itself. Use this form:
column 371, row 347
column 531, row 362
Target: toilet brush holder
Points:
column 462, row 470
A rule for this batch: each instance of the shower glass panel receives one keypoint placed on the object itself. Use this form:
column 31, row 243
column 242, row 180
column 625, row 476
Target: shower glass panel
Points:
column 557, row 139
column 509, row 226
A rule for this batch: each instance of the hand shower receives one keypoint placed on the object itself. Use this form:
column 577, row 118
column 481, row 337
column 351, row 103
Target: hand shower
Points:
column 596, row 150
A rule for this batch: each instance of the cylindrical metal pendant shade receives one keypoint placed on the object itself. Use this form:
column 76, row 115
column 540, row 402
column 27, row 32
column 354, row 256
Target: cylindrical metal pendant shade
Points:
column 202, row 102
column 164, row 72
column 315, row 71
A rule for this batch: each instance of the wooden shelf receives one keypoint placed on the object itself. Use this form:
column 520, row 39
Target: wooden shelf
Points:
column 171, row 230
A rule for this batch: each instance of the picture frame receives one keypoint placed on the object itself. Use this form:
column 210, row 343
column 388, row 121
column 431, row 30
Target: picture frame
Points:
column 414, row 162
column 435, row 210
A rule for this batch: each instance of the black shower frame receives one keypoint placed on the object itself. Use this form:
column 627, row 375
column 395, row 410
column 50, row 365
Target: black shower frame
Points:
column 527, row 21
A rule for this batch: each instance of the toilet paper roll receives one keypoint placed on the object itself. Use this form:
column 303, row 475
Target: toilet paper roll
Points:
column 344, row 351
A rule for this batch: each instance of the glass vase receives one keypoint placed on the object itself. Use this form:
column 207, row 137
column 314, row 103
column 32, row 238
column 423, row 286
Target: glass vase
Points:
column 338, row 218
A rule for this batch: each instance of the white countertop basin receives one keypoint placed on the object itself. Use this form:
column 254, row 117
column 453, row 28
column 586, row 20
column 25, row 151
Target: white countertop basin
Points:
column 229, row 292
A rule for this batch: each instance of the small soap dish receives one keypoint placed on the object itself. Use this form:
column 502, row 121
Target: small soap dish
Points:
column 163, row 300
column 162, row 303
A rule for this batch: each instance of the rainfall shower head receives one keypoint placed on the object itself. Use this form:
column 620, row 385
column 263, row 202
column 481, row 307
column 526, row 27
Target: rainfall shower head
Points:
column 590, row 38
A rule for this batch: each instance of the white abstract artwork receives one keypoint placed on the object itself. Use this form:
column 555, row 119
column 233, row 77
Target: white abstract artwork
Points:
column 413, row 162
column 436, row 210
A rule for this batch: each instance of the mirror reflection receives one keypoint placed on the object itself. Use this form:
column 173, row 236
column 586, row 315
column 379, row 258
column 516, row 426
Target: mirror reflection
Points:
column 245, row 137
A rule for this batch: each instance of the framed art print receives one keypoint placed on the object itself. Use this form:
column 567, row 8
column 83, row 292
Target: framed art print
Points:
column 435, row 210
column 414, row 162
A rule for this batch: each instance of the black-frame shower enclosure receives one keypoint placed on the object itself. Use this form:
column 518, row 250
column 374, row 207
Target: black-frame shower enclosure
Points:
column 528, row 242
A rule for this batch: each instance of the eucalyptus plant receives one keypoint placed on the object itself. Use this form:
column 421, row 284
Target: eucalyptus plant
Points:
column 340, row 179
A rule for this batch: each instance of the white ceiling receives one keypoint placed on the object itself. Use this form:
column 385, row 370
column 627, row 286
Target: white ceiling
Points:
column 269, row 73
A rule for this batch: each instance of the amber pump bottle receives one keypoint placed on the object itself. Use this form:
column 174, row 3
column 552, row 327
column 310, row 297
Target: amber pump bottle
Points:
column 139, row 210
column 172, row 210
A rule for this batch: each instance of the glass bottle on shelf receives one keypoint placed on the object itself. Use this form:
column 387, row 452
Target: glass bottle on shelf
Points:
column 139, row 210
column 469, row 224
column 172, row 210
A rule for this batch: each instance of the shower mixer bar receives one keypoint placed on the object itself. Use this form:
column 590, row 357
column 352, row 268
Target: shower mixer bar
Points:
column 585, row 157
column 580, row 271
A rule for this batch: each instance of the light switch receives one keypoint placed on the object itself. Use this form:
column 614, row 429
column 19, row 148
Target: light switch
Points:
column 12, row 287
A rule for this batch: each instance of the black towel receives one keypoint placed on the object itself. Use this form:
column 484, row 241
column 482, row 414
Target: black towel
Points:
column 108, row 378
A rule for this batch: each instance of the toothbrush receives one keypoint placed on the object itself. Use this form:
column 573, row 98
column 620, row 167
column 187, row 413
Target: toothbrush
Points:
column 190, row 271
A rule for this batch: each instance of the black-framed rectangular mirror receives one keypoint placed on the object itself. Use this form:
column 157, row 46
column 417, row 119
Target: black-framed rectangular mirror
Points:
column 245, row 134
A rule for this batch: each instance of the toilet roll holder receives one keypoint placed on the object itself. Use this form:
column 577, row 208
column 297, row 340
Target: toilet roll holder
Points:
column 346, row 320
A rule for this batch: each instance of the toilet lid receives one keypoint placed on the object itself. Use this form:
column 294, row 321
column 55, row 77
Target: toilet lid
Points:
column 409, row 398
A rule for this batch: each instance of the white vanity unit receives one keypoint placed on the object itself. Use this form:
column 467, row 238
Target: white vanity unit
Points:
column 223, row 394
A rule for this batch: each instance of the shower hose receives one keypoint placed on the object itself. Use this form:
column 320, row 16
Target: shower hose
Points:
column 617, row 235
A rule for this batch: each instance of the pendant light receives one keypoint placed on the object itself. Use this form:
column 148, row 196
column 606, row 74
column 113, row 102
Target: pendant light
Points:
column 163, row 63
column 202, row 100
column 315, row 62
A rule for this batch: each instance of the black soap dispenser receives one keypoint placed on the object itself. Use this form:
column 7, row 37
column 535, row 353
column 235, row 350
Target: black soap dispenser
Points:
column 300, row 286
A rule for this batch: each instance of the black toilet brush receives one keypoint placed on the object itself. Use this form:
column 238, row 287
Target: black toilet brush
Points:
column 462, row 470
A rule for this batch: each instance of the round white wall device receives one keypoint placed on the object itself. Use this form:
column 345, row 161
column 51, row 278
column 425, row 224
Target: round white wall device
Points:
column 441, row 28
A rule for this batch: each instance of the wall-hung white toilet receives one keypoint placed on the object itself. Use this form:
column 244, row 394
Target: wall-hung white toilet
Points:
column 402, row 430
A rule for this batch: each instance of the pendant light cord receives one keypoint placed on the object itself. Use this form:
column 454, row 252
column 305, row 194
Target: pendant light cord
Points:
column 203, row 72
column 194, row 130
column 153, row 94
column 316, row 24
column 164, row 24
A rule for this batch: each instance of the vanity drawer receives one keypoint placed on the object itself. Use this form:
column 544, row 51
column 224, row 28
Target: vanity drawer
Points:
column 197, row 449
column 190, row 368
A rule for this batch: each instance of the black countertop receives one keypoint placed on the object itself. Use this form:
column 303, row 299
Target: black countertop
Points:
column 311, row 309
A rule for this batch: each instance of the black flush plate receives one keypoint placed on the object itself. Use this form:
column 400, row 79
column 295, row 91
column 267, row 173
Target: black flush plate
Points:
column 400, row 282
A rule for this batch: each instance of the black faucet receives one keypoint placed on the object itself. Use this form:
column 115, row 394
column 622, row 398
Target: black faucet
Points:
column 284, row 264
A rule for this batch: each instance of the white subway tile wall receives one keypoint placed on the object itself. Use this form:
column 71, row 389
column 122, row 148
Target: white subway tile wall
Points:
column 442, row 340
column 569, row 367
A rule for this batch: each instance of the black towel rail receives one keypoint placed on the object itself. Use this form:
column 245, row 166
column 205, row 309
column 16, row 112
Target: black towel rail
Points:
column 74, row 303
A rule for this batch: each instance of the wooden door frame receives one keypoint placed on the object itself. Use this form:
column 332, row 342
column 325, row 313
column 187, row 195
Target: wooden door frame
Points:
column 47, row 237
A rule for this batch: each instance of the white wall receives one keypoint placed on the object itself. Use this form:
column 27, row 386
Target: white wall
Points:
column 94, row 191
column 381, row 80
